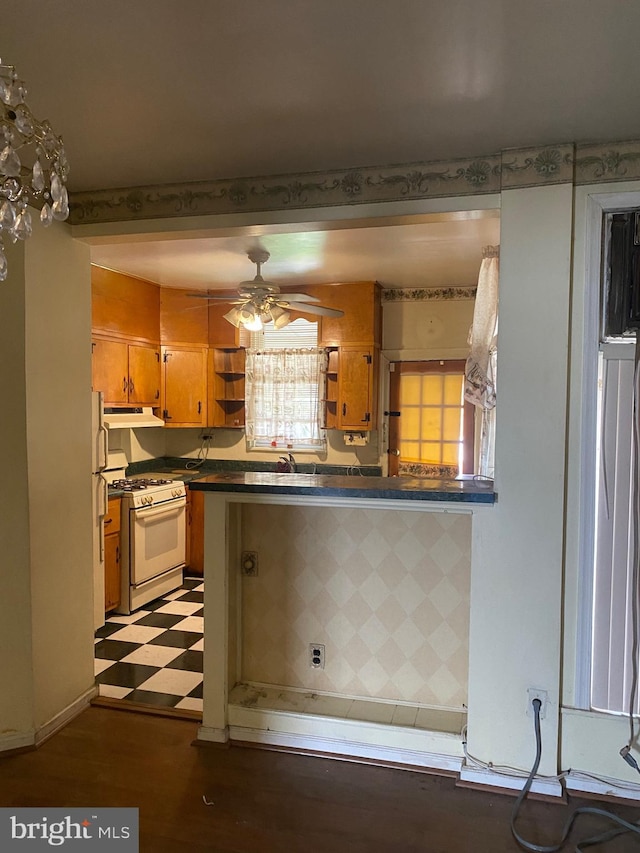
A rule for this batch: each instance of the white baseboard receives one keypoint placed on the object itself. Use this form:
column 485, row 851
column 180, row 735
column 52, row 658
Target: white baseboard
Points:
column 19, row 740
column 493, row 779
column 336, row 748
column 356, row 738
column 65, row 716
column 576, row 784
column 207, row 733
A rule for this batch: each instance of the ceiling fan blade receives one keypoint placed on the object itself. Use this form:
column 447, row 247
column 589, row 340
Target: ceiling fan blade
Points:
column 306, row 308
column 297, row 297
column 232, row 298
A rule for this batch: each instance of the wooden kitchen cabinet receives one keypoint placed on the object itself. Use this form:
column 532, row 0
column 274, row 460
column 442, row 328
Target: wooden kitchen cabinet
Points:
column 226, row 387
column 184, row 386
column 127, row 374
column 331, row 399
column 184, row 318
column 222, row 333
column 357, row 388
column 362, row 320
column 123, row 306
column 112, row 555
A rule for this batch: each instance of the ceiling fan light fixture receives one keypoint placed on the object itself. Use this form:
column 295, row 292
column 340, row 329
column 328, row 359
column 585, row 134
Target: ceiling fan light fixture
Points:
column 250, row 317
column 253, row 325
column 281, row 318
column 233, row 317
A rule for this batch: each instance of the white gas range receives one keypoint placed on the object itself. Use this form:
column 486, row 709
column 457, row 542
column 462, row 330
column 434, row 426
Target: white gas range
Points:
column 152, row 538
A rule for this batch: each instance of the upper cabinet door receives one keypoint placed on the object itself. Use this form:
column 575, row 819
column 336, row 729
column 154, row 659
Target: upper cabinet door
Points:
column 122, row 306
column 144, row 375
column 361, row 322
column 357, row 388
column 110, row 371
column 185, row 386
column 184, row 318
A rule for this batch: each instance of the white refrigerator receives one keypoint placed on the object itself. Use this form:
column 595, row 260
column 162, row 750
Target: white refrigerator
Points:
column 99, row 450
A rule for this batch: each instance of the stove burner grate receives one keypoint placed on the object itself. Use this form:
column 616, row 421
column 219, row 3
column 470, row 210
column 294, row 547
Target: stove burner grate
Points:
column 128, row 485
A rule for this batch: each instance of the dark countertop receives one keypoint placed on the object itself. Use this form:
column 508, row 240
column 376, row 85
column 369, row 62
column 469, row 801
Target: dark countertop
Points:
column 331, row 485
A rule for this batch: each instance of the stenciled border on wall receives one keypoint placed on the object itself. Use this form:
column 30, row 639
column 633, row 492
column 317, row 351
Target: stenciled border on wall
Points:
column 513, row 168
column 422, row 294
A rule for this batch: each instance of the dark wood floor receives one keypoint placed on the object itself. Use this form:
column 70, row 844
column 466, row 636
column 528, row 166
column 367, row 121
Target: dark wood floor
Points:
column 267, row 801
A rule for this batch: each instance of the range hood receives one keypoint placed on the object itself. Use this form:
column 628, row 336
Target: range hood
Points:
column 131, row 418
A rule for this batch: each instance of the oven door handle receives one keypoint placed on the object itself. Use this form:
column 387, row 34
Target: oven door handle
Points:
column 144, row 513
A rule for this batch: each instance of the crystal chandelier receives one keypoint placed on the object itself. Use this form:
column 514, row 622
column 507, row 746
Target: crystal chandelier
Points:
column 33, row 166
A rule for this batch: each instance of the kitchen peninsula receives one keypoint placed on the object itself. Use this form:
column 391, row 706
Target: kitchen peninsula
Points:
column 359, row 565
column 463, row 490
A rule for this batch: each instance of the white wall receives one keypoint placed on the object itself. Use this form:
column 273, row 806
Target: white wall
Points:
column 46, row 657
column 430, row 329
column 16, row 697
column 231, row 444
column 58, row 369
column 517, row 558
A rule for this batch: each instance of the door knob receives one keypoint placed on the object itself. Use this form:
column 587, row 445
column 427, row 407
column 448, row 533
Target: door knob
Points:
column 393, row 451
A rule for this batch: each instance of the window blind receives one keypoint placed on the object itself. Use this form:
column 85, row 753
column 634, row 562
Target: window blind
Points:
column 300, row 334
column 611, row 673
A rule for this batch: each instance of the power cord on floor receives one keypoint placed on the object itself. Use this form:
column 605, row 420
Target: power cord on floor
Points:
column 622, row 825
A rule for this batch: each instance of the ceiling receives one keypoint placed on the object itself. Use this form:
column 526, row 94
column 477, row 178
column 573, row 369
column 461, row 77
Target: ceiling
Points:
column 162, row 91
column 434, row 251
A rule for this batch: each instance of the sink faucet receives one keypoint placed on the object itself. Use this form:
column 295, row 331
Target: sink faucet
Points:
column 287, row 466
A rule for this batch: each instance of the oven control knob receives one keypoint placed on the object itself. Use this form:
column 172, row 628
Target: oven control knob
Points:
column 175, row 493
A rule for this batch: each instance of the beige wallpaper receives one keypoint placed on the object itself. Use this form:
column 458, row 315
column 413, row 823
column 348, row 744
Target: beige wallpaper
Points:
column 386, row 592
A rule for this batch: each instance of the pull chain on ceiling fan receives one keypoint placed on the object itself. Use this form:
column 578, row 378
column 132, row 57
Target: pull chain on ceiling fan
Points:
column 260, row 302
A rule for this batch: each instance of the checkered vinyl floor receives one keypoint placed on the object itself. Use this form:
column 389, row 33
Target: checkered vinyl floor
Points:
column 154, row 656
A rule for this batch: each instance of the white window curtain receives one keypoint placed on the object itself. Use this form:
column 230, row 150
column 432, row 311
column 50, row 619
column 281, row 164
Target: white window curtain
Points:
column 285, row 398
column 480, row 370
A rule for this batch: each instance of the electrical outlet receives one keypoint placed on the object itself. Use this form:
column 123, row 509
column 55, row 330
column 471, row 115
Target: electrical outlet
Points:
column 249, row 563
column 316, row 655
column 542, row 695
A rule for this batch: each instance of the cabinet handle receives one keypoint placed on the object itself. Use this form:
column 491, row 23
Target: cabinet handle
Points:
column 131, row 385
column 199, row 407
column 107, row 521
column 117, row 553
column 166, row 415
column 124, row 383
column 344, row 409
column 158, row 394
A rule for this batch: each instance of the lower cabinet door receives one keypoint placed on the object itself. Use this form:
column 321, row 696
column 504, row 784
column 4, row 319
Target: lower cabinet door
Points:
column 111, row 571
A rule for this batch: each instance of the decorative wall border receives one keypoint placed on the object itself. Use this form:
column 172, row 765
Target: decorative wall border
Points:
column 476, row 176
column 613, row 161
column 423, row 294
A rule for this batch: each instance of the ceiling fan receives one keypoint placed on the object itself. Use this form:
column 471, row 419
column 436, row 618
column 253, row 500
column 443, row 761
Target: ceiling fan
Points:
column 260, row 302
